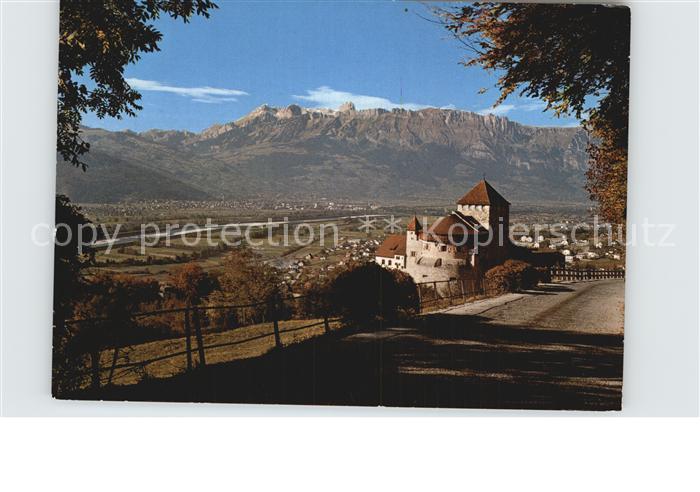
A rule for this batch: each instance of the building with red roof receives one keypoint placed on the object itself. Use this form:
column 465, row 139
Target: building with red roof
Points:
column 464, row 243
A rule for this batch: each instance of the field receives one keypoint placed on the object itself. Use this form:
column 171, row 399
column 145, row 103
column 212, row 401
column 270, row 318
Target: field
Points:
column 165, row 358
column 298, row 261
column 160, row 260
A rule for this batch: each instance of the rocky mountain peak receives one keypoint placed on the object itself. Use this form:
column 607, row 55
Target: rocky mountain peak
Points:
column 346, row 107
column 296, row 151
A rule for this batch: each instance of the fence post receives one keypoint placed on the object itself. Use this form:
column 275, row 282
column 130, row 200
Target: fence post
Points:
column 188, row 339
column 449, row 291
column 275, row 324
column 198, row 334
column 95, row 359
column 420, row 299
column 326, row 325
column 115, row 356
column 94, row 353
column 461, row 286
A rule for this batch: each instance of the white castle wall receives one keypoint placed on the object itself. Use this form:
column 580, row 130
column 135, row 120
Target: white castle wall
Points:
column 452, row 262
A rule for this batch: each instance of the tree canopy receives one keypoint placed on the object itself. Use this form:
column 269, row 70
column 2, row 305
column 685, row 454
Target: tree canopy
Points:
column 98, row 39
column 573, row 57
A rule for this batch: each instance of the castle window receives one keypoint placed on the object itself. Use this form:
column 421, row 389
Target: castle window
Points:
column 383, row 261
column 413, row 253
column 443, row 247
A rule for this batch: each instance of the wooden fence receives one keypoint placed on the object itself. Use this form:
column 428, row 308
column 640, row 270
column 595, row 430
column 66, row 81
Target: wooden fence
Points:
column 195, row 322
column 200, row 320
column 571, row 274
column 445, row 293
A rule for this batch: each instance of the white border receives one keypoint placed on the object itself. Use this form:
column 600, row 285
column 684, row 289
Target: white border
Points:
column 661, row 338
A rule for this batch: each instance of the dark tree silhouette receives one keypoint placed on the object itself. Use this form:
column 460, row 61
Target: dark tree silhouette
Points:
column 569, row 56
column 69, row 260
column 109, row 301
column 365, row 293
column 99, row 38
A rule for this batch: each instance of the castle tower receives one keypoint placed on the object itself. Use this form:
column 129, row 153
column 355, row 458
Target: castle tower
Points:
column 413, row 246
column 486, row 205
column 413, row 228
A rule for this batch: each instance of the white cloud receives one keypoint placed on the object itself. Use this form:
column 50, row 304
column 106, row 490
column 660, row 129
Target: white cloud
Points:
column 325, row 97
column 503, row 109
column 534, row 106
column 204, row 94
column 499, row 110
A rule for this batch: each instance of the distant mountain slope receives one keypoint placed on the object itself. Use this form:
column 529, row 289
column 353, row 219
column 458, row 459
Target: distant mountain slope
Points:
column 295, row 152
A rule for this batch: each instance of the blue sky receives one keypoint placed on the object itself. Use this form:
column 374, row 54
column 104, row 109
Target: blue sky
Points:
column 315, row 54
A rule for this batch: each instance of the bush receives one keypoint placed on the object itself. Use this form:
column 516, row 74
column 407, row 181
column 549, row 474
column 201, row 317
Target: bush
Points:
column 112, row 300
column 314, row 302
column 368, row 292
column 512, row 276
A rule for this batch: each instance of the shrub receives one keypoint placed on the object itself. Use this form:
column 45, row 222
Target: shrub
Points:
column 368, row 292
column 192, row 283
column 314, row 302
column 511, row 276
column 112, row 299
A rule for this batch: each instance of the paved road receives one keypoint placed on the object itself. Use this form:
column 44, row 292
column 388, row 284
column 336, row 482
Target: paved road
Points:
column 586, row 307
column 557, row 348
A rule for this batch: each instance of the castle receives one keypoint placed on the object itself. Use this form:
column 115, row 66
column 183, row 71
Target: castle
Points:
column 462, row 244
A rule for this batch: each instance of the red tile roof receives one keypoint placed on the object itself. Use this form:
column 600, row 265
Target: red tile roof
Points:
column 459, row 223
column 482, row 194
column 414, row 225
column 394, row 244
column 452, row 226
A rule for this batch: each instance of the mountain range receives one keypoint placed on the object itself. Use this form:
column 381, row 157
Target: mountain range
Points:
column 299, row 153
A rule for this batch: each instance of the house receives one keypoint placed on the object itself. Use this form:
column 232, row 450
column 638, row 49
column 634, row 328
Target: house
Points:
column 462, row 244
column 392, row 252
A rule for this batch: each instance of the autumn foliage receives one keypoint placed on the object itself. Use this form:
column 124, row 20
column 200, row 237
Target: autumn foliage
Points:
column 98, row 39
column 573, row 57
column 511, row 276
